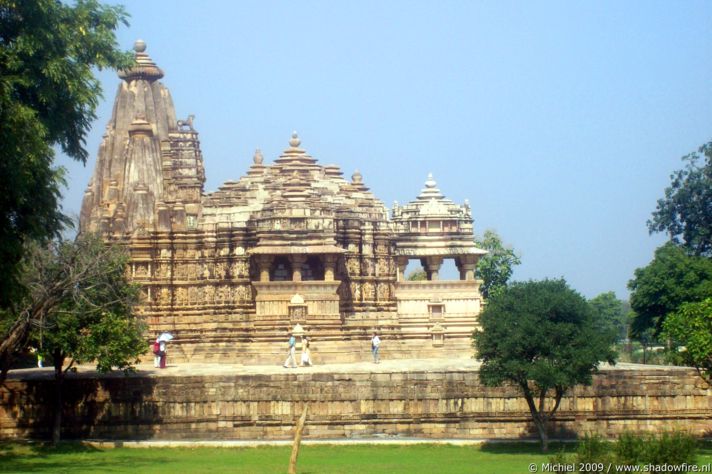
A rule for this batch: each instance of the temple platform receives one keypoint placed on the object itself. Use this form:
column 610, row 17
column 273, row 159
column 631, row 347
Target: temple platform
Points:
column 396, row 399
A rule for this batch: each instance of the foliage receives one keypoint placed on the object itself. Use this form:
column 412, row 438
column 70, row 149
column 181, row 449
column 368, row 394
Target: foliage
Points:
column 93, row 320
column 611, row 313
column 48, row 98
column 540, row 336
column 78, row 286
column 496, row 267
column 591, row 451
column 78, row 307
column 671, row 279
column 631, row 449
column 685, row 213
column 417, row 275
column 647, row 351
column 691, row 327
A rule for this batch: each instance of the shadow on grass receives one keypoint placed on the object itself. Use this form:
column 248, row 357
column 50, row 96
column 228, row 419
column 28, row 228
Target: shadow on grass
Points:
column 705, row 448
column 518, row 447
column 65, row 457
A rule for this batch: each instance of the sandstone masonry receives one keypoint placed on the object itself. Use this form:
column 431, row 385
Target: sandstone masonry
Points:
column 448, row 403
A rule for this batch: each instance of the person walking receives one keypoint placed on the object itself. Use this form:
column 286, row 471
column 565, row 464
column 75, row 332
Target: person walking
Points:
column 375, row 344
column 306, row 354
column 291, row 361
column 156, row 353
column 162, row 354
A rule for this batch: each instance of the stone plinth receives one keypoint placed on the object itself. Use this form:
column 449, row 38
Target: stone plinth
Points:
column 437, row 401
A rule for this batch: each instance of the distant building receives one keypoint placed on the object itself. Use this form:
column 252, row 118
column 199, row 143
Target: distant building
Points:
column 293, row 242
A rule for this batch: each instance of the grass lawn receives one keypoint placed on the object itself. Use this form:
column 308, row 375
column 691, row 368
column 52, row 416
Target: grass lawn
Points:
column 499, row 458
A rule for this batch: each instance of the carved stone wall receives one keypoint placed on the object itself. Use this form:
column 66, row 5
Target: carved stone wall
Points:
column 440, row 404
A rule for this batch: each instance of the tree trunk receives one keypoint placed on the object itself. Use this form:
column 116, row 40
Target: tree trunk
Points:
column 15, row 338
column 297, row 441
column 543, row 436
column 538, row 417
column 58, row 379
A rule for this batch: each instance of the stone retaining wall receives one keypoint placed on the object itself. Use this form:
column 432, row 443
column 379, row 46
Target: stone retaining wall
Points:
column 445, row 404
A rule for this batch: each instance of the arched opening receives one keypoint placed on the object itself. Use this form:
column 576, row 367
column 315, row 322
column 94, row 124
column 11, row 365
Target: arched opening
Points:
column 281, row 269
column 414, row 271
column 312, row 269
column 448, row 270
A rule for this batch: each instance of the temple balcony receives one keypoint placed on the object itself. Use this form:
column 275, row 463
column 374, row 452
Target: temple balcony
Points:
column 438, row 310
column 274, row 297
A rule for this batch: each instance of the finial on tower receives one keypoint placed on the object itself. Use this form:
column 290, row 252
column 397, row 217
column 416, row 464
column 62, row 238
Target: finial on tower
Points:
column 140, row 46
column 357, row 177
column 143, row 67
column 294, row 142
column 430, row 182
column 258, row 158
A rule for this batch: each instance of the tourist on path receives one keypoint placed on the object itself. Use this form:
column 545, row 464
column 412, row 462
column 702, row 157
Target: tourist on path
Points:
column 306, row 354
column 291, row 361
column 375, row 344
column 162, row 354
column 157, row 353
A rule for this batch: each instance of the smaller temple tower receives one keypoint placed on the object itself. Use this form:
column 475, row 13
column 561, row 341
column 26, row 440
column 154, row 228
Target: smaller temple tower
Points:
column 431, row 229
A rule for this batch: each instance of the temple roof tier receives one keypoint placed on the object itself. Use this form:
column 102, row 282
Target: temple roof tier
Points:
column 295, row 249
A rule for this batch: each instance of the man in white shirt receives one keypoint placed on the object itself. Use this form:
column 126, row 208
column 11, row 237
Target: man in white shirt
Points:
column 375, row 344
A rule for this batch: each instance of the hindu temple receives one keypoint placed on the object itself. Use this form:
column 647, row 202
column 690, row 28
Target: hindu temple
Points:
column 292, row 245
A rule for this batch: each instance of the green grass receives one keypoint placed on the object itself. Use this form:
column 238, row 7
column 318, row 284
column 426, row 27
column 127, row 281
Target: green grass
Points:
column 499, row 458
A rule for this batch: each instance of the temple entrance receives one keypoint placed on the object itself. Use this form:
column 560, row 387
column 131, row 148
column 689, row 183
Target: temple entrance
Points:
column 312, row 269
column 281, row 269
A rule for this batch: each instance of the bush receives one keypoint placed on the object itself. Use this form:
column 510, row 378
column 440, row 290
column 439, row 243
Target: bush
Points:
column 671, row 448
column 593, row 450
column 632, row 449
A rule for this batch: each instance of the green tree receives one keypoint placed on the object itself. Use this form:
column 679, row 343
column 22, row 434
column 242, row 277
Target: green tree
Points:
column 48, row 98
column 685, row 212
column 611, row 313
column 691, row 327
column 671, row 279
column 78, row 309
column 417, row 275
column 94, row 321
column 495, row 268
column 540, row 336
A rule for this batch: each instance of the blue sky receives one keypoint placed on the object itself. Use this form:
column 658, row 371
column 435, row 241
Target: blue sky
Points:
column 560, row 121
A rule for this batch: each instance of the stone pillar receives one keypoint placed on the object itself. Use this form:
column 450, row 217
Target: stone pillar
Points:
column 263, row 263
column 438, row 334
column 178, row 216
column 432, row 267
column 467, row 266
column 402, row 263
column 164, row 217
column 329, row 266
column 297, row 262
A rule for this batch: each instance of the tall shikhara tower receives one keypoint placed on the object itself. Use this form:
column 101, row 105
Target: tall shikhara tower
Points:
column 291, row 245
column 149, row 169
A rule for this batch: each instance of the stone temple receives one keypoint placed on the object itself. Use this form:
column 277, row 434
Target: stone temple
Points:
column 292, row 245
